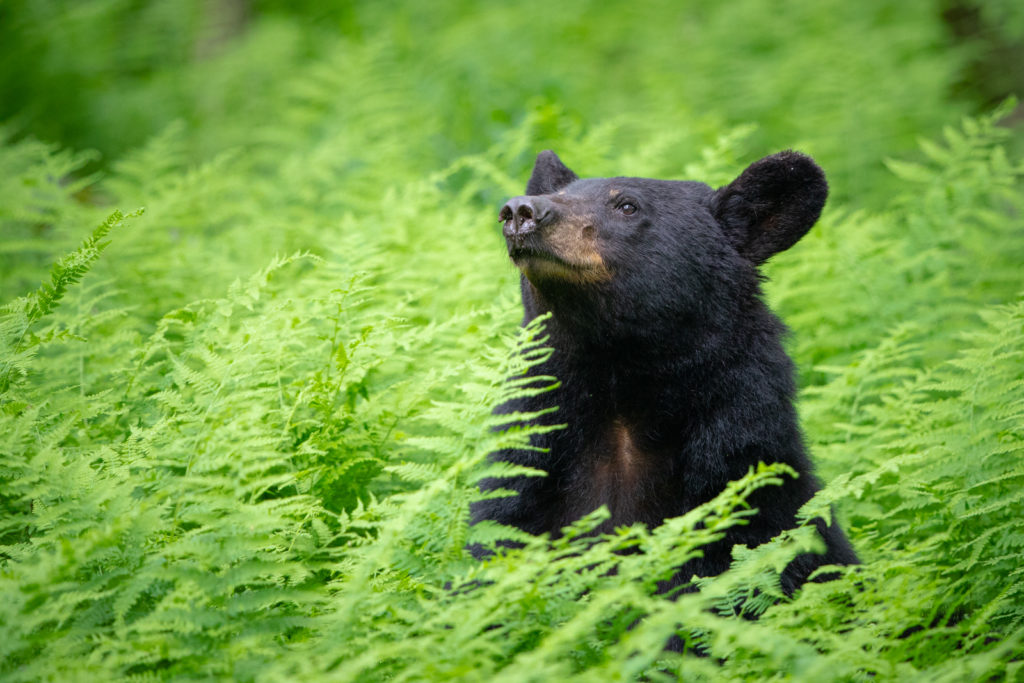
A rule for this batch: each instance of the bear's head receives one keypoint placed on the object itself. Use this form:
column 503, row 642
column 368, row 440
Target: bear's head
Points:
column 624, row 258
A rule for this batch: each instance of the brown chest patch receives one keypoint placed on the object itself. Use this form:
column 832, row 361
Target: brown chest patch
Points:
column 618, row 473
column 621, row 463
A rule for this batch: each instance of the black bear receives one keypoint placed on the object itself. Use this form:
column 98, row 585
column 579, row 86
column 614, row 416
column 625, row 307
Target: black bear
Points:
column 673, row 378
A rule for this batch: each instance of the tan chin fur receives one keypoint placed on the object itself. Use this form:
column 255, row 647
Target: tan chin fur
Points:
column 583, row 263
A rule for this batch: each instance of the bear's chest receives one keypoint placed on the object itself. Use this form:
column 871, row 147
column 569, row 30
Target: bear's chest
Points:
column 617, row 467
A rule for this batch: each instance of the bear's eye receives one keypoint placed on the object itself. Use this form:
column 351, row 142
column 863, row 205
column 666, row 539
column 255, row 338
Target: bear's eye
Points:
column 627, row 208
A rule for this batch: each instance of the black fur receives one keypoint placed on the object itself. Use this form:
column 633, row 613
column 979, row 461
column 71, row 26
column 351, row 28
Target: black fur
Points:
column 673, row 376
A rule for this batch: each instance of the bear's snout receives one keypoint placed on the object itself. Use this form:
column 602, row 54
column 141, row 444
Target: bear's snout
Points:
column 522, row 215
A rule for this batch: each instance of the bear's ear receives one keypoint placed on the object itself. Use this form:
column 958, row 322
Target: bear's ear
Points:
column 772, row 204
column 549, row 174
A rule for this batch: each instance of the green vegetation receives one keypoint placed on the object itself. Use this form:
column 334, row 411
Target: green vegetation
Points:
column 240, row 428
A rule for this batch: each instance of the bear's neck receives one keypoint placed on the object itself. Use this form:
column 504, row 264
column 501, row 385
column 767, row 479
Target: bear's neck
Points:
column 659, row 380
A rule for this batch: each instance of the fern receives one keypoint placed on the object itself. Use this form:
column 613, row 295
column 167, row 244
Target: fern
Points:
column 239, row 441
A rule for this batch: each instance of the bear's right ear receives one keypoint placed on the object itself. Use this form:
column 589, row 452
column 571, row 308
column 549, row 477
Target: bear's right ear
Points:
column 549, row 174
column 773, row 203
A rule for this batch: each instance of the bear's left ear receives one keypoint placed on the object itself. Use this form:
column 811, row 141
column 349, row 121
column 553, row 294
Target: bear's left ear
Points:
column 549, row 174
column 772, row 204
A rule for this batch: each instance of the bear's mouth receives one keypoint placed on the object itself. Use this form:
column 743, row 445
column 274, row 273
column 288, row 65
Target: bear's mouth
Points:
column 522, row 254
column 539, row 265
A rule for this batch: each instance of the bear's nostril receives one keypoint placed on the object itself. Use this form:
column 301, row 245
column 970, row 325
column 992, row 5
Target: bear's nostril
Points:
column 523, row 215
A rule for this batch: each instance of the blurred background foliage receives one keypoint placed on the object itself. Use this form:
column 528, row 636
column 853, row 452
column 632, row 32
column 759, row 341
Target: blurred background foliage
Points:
column 850, row 84
column 239, row 431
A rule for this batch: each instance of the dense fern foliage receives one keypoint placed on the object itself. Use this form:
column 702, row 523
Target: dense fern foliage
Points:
column 250, row 348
